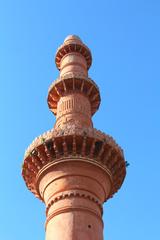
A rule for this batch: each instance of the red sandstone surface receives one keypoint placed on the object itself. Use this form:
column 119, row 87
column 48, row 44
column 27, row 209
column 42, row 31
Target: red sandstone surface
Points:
column 74, row 168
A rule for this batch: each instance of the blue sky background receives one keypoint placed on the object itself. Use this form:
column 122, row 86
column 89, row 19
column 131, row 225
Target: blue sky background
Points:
column 124, row 37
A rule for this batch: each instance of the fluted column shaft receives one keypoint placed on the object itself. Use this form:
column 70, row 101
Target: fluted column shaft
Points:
column 73, row 108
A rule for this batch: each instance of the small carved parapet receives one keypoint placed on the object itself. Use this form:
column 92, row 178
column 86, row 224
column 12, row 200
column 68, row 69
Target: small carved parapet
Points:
column 73, row 194
column 72, row 83
column 77, row 143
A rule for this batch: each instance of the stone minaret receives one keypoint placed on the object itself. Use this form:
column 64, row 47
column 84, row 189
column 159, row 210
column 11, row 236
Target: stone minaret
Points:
column 74, row 168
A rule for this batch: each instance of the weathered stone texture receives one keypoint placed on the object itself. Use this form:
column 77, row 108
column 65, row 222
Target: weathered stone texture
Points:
column 74, row 168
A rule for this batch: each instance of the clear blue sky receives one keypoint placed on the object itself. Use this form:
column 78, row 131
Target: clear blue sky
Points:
column 124, row 37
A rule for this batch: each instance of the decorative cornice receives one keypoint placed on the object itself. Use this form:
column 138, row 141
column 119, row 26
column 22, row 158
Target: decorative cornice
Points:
column 72, row 83
column 70, row 76
column 71, row 129
column 73, row 46
column 70, row 142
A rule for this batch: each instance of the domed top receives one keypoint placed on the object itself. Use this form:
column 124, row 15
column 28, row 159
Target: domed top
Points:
column 72, row 38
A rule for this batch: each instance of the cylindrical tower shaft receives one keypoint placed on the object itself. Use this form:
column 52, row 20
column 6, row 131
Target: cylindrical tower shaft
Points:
column 75, row 108
column 73, row 194
column 74, row 168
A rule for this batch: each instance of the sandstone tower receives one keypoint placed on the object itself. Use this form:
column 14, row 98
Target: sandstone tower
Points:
column 74, row 168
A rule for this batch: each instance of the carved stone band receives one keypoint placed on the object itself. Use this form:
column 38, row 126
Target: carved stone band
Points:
column 71, row 194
